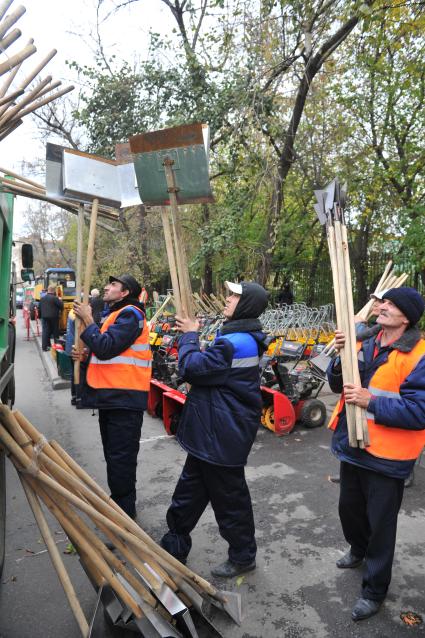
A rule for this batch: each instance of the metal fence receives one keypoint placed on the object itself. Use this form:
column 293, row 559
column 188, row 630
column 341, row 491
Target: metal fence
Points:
column 312, row 284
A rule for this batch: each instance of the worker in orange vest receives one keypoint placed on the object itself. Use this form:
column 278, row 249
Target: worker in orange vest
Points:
column 117, row 381
column 392, row 371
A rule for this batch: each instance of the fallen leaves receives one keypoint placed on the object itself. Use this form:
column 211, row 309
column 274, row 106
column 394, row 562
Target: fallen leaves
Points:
column 411, row 618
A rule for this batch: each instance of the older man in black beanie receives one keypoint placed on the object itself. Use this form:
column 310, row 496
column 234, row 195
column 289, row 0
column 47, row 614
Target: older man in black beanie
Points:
column 392, row 372
column 218, row 427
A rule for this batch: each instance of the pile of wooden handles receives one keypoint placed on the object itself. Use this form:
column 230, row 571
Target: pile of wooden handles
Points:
column 11, row 110
column 341, row 275
column 51, row 476
column 202, row 303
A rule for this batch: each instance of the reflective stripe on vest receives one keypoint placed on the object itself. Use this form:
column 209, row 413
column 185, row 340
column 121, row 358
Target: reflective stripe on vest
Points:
column 120, row 359
column 386, row 442
column 246, row 362
column 140, row 347
column 130, row 370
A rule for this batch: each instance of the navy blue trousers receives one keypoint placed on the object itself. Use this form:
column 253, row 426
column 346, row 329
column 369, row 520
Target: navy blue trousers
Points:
column 368, row 508
column 225, row 488
column 120, row 431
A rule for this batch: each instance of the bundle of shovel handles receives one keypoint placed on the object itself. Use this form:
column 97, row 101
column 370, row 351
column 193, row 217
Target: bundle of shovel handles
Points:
column 48, row 474
column 336, row 231
column 32, row 96
column 331, row 214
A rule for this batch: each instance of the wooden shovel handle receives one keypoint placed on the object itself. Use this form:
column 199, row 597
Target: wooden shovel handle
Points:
column 118, row 523
column 55, row 556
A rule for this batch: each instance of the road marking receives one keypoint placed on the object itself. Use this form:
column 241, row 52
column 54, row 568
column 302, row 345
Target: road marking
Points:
column 156, row 438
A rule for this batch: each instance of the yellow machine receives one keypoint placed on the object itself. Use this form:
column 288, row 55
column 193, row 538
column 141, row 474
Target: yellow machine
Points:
column 64, row 280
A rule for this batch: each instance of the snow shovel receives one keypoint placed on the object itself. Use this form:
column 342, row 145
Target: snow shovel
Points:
column 227, row 601
column 320, row 363
column 151, row 625
column 172, row 604
column 202, row 609
column 157, row 625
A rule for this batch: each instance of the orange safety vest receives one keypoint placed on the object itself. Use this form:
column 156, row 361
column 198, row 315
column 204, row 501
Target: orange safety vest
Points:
column 391, row 443
column 130, row 370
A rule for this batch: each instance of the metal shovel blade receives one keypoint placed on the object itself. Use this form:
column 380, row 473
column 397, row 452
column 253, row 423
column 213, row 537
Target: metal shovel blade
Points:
column 152, row 625
column 94, row 624
column 330, row 195
column 201, row 608
column 320, row 196
column 231, row 603
column 321, row 215
column 204, row 625
column 172, row 604
column 106, row 595
column 320, row 363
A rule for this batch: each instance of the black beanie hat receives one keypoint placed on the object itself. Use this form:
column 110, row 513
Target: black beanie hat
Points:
column 409, row 301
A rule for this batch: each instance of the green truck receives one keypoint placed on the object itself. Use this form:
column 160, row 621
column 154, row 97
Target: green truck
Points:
column 7, row 332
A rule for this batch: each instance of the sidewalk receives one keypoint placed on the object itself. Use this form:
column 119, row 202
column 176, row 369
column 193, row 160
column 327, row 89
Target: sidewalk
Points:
column 48, row 362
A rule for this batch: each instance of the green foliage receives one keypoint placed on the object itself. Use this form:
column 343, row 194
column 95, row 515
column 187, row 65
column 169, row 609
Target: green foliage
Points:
column 240, row 71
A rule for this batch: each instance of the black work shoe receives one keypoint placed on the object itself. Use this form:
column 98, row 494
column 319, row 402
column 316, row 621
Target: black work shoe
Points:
column 348, row 561
column 365, row 608
column 335, row 479
column 228, row 569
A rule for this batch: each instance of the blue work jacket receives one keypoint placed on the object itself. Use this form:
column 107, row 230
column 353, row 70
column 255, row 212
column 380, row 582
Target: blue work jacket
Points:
column 222, row 412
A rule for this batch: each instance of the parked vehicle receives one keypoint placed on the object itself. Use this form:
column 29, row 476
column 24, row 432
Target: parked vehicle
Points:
column 64, row 281
column 7, row 333
column 19, row 298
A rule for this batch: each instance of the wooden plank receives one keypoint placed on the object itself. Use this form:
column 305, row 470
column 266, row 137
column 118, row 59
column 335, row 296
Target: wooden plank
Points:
column 90, row 251
column 171, row 259
column 78, row 280
column 181, row 260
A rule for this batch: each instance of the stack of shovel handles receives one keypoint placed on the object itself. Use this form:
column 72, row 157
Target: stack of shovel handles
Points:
column 341, row 274
column 32, row 95
column 51, row 476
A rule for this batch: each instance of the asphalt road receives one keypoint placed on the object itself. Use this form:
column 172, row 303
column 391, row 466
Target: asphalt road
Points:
column 296, row 590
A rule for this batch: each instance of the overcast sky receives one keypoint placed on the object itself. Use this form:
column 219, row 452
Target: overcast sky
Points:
column 67, row 25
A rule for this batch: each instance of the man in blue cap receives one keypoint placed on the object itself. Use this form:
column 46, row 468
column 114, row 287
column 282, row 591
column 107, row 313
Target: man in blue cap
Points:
column 392, row 372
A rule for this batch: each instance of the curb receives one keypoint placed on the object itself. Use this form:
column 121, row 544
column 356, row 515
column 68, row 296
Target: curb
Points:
column 49, row 365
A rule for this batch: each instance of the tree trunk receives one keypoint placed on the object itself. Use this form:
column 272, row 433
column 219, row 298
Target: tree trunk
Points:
column 287, row 156
column 310, row 301
column 208, row 268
